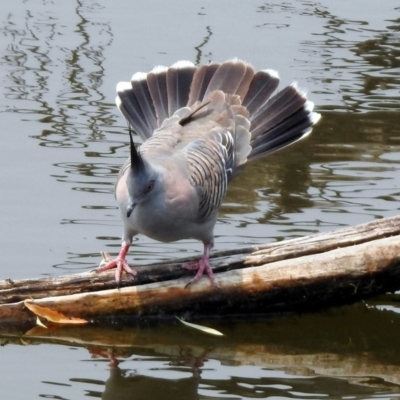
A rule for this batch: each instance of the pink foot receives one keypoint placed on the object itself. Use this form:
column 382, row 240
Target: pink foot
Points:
column 119, row 263
column 203, row 265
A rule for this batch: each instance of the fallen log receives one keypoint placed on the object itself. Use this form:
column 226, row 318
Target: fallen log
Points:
column 307, row 273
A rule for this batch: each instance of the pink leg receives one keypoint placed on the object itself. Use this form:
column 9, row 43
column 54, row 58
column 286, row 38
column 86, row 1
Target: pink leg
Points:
column 203, row 265
column 119, row 263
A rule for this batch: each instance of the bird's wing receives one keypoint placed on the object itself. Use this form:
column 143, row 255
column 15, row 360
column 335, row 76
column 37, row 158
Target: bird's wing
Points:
column 208, row 161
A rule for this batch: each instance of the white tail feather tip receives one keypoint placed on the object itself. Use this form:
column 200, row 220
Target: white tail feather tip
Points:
column 301, row 91
column 122, row 86
column 272, row 72
column 159, row 69
column 309, row 106
column 139, row 76
column 315, row 117
column 182, row 64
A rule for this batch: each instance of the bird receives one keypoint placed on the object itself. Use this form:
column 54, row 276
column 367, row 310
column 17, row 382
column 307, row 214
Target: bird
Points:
column 199, row 125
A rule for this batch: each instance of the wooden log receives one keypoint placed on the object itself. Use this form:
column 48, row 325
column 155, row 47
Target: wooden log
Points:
column 14, row 291
column 299, row 274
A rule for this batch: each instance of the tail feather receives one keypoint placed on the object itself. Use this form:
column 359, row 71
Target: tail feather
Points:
column 228, row 78
column 244, row 85
column 298, row 116
column 285, row 139
column 157, row 82
column 279, row 107
column 261, row 88
column 179, row 79
column 297, row 126
column 141, row 90
column 131, row 109
column 201, row 81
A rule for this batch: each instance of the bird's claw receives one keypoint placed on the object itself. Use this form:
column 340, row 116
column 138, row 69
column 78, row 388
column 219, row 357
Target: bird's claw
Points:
column 118, row 263
column 201, row 266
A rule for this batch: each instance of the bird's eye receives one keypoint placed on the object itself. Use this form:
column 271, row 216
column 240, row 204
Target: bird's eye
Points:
column 150, row 186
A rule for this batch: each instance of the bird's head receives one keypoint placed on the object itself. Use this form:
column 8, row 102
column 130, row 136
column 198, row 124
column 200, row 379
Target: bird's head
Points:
column 143, row 180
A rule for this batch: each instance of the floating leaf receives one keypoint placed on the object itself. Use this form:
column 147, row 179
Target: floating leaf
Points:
column 39, row 331
column 40, row 323
column 53, row 316
column 202, row 328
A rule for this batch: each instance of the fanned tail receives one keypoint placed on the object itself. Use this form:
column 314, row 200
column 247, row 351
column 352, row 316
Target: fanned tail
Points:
column 275, row 121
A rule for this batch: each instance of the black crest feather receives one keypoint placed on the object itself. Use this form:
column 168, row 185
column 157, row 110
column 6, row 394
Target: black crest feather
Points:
column 137, row 163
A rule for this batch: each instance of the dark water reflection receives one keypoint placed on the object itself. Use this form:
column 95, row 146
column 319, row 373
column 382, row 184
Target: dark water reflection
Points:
column 63, row 142
column 349, row 352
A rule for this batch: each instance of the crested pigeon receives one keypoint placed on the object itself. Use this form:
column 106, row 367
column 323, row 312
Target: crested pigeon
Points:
column 200, row 126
